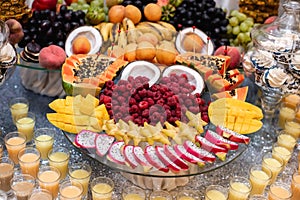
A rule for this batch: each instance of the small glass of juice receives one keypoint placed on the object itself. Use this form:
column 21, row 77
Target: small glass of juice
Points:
column 259, row 177
column 81, row 172
column 70, row 190
column 14, row 142
column 239, row 188
column 286, row 140
column 275, row 165
column 6, row 173
column 25, row 124
column 160, row 195
column 287, row 111
column 44, row 140
column 102, row 188
column 133, row 192
column 279, row 191
column 22, row 185
column 29, row 160
column 281, row 152
column 39, row 193
column 216, row 192
column 59, row 157
column 292, row 127
column 19, row 106
column 188, row 195
column 48, row 179
column 295, row 186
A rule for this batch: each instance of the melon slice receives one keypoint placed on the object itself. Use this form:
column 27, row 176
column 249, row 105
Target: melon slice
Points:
column 238, row 93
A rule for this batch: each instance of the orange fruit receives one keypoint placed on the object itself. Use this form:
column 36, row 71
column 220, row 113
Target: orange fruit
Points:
column 81, row 45
column 116, row 13
column 152, row 12
column 133, row 13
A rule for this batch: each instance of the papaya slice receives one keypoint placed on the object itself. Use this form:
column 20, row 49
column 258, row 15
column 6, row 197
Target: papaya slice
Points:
column 238, row 93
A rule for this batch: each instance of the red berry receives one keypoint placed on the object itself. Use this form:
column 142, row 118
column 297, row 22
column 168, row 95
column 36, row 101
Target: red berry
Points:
column 106, row 99
column 132, row 101
column 143, row 105
column 205, row 118
column 133, row 109
column 109, row 83
column 145, row 113
column 150, row 102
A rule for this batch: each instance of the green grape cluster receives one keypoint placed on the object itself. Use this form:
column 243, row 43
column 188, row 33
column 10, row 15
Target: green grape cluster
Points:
column 84, row 5
column 239, row 28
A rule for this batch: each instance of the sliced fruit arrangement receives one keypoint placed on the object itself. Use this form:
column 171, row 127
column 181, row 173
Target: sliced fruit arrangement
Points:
column 74, row 114
column 236, row 115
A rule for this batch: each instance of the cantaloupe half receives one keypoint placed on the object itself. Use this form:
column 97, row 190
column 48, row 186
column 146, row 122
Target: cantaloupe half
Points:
column 236, row 115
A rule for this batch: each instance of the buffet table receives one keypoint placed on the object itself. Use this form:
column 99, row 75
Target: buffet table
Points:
column 39, row 105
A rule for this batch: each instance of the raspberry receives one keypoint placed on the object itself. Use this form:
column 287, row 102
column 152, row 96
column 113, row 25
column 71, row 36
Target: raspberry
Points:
column 205, row 118
column 110, row 112
column 106, row 99
column 138, row 121
column 146, row 86
column 188, row 102
column 166, row 107
column 203, row 108
column 143, row 105
column 132, row 101
column 160, row 102
column 145, row 120
column 145, row 113
column 156, row 96
column 123, row 110
column 136, row 97
column 127, row 118
column 133, row 109
column 184, row 76
column 143, row 93
column 150, row 93
column 150, row 102
column 101, row 98
column 128, row 86
column 154, row 88
column 154, row 109
column 171, row 101
column 109, row 84
column 115, row 108
column 130, row 79
column 194, row 109
column 107, row 92
column 121, row 99
column 122, row 82
column 200, row 101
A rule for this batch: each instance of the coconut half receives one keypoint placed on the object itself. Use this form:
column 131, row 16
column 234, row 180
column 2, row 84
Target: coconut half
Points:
column 91, row 33
column 194, row 78
column 142, row 68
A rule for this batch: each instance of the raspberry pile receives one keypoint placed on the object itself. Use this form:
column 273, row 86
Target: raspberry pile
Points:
column 168, row 100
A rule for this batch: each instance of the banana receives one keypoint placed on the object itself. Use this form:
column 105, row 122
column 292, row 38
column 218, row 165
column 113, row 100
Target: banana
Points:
column 133, row 35
column 105, row 30
column 167, row 25
column 128, row 24
column 167, row 34
column 145, row 27
column 114, row 32
column 100, row 25
column 122, row 38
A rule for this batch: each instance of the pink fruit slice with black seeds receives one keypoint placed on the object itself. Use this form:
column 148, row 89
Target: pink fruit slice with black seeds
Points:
column 198, row 152
column 217, row 139
column 129, row 156
column 166, row 160
column 232, row 135
column 86, row 139
column 115, row 153
column 103, row 143
column 139, row 156
column 182, row 153
column 220, row 152
column 152, row 158
column 171, row 153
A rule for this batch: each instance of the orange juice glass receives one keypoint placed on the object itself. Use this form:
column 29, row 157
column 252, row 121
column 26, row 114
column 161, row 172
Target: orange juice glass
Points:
column 6, row 173
column 59, row 157
column 102, row 188
column 216, row 192
column 279, row 191
column 44, row 139
column 275, row 165
column 25, row 124
column 48, row 179
column 292, row 127
column 29, row 160
column 286, row 140
column 40, row 194
column 14, row 142
column 70, row 190
column 18, row 107
column 281, row 152
column 259, row 179
column 287, row 111
column 22, row 185
column 239, row 188
column 295, row 186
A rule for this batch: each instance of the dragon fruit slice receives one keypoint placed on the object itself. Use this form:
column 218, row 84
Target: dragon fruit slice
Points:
column 129, row 156
column 150, row 155
column 217, row 139
column 103, row 143
column 86, row 139
column 138, row 154
column 171, row 153
column 220, row 152
column 182, row 153
column 232, row 135
column 166, row 160
column 115, row 154
column 198, row 152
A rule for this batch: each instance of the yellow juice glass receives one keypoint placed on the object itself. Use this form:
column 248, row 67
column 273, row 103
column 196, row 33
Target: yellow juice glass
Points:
column 70, row 190
column 44, row 139
column 40, row 194
column 81, row 172
column 281, row 152
column 279, row 191
column 29, row 160
column 25, row 124
column 59, row 157
column 273, row 164
column 48, row 179
column 134, row 193
column 287, row 111
column 18, row 107
column 239, row 188
column 259, row 179
column 295, row 186
column 286, row 140
column 160, row 195
column 102, row 188
column 6, row 173
column 22, row 185
column 14, row 142
column 216, row 192
column 188, row 195
column 292, row 127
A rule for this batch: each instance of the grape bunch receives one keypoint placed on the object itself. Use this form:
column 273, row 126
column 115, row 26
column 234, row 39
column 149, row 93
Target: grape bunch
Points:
column 239, row 28
column 205, row 16
column 47, row 27
column 134, row 100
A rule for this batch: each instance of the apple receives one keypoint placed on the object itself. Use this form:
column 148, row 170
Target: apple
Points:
column 270, row 19
column 44, row 4
column 234, row 54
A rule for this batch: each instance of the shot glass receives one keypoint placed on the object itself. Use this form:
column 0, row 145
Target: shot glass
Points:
column 239, row 188
column 25, row 124
column 22, row 185
column 295, row 186
column 6, row 173
column 102, row 188
column 14, row 142
column 29, row 160
column 19, row 106
column 39, row 193
column 259, row 179
column 70, row 190
column 273, row 164
column 287, row 111
column 292, row 127
column 160, row 195
column 286, row 140
column 48, row 179
column 44, row 140
column 81, row 172
column 216, row 192
column 59, row 157
column 281, row 152
column 188, row 194
column 279, row 191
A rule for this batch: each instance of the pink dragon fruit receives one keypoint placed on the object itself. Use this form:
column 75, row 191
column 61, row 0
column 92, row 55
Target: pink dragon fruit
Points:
column 129, row 156
column 182, row 153
column 198, row 152
column 232, row 135
column 86, row 139
column 138, row 154
column 166, row 160
column 103, row 143
column 150, row 155
column 171, row 153
column 217, row 139
column 114, row 153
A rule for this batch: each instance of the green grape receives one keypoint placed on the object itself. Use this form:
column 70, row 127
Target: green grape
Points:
column 249, row 22
column 85, row 6
column 81, row 2
column 236, row 30
column 250, row 19
column 247, row 37
column 233, row 13
column 244, row 27
column 241, row 17
column 233, row 21
column 241, row 37
column 235, row 42
column 229, row 29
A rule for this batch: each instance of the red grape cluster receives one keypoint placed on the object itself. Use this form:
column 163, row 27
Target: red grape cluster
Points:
column 135, row 100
